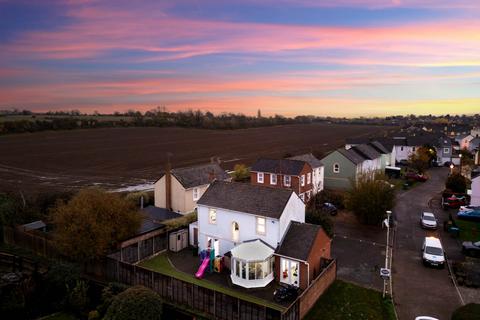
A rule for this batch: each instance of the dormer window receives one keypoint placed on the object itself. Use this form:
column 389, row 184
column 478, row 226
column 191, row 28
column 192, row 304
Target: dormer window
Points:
column 260, row 177
column 287, row 181
column 273, row 179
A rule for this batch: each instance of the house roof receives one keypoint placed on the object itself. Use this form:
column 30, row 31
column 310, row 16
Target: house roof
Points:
column 281, row 166
column 351, row 155
column 159, row 214
column 366, row 151
column 475, row 174
column 255, row 250
column 309, row 158
column 298, row 240
column 244, row 197
column 190, row 177
column 379, row 147
column 35, row 225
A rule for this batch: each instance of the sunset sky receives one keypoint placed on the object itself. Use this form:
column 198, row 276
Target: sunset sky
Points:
column 335, row 57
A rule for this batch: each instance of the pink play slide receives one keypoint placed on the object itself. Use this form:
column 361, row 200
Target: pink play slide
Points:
column 202, row 268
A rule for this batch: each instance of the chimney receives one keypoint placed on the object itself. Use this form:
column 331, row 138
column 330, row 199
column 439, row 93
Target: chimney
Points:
column 168, row 186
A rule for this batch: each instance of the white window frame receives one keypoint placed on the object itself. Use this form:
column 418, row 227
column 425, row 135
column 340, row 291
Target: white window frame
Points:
column 260, row 177
column 212, row 216
column 446, row 150
column 336, row 167
column 309, row 178
column 287, row 181
column 257, row 225
column 196, row 194
column 302, row 180
column 273, row 178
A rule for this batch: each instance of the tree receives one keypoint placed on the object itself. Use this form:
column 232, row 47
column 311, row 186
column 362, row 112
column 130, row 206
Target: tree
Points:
column 241, row 172
column 457, row 183
column 93, row 222
column 370, row 198
column 421, row 159
column 135, row 303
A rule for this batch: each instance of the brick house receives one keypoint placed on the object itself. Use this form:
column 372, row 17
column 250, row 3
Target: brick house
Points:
column 288, row 174
column 300, row 256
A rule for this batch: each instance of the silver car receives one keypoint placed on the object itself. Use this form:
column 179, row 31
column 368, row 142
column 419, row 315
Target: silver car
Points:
column 428, row 221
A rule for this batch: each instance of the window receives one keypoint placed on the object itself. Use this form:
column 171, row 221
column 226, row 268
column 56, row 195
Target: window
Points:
column 195, row 194
column 261, row 225
column 413, row 149
column 286, row 181
column 309, row 178
column 273, row 178
column 446, row 150
column 401, row 148
column 302, row 196
column 260, row 177
column 302, row 180
column 212, row 216
column 336, row 168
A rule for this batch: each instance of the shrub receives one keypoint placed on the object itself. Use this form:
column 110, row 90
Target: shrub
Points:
column 135, row 303
column 108, row 294
column 240, row 173
column 457, row 183
column 317, row 216
column 78, row 298
column 469, row 311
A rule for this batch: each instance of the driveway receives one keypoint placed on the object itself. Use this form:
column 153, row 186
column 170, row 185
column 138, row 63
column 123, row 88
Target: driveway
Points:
column 419, row 290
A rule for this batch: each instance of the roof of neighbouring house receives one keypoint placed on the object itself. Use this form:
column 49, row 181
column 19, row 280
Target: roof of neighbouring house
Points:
column 377, row 145
column 190, row 177
column 159, row 214
column 280, row 166
column 475, row 174
column 366, row 151
column 35, row 225
column 309, row 158
column 244, row 197
column 351, row 155
column 298, row 240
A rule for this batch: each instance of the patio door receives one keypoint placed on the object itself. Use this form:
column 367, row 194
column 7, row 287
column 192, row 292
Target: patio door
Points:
column 289, row 272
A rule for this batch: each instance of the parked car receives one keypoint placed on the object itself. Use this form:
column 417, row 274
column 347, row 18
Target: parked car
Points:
column 469, row 215
column 415, row 176
column 329, row 208
column 455, row 202
column 428, row 221
column 288, row 293
column 425, row 318
column 465, row 208
column 471, row 248
column 432, row 252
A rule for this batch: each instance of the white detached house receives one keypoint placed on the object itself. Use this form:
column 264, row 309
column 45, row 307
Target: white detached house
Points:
column 248, row 221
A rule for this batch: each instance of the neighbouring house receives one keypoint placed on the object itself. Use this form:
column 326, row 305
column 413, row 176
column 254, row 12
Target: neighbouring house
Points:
column 477, row 157
column 253, row 224
column 343, row 166
column 470, row 142
column 301, row 254
column 385, row 146
column 475, row 196
column 179, row 189
column 444, row 148
column 474, row 144
column 287, row 174
column 406, row 146
column 317, row 167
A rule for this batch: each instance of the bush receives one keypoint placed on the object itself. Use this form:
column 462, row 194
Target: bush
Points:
column 135, row 303
column 321, row 218
column 469, row 311
column 370, row 198
column 335, row 197
column 108, row 294
column 77, row 299
column 241, row 173
column 457, row 183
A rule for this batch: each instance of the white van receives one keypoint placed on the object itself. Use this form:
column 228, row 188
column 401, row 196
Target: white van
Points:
column 432, row 252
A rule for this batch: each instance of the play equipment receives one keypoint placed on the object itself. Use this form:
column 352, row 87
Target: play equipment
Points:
column 202, row 268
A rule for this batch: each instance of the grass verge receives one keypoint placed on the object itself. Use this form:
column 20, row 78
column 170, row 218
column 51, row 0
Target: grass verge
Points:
column 469, row 230
column 161, row 264
column 345, row 301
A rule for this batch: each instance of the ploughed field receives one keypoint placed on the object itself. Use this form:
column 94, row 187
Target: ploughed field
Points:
column 118, row 157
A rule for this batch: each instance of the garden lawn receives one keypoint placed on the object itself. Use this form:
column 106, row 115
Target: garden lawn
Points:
column 344, row 301
column 162, row 264
column 469, row 230
column 59, row 316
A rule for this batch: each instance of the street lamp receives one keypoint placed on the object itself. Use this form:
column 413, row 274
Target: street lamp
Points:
column 385, row 272
column 451, row 169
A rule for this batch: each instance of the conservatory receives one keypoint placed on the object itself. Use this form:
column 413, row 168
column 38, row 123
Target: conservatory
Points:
column 252, row 264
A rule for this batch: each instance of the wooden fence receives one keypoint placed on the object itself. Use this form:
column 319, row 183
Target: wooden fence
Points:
column 38, row 244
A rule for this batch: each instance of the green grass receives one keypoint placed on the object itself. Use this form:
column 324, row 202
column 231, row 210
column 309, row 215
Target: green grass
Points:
column 161, row 264
column 469, row 231
column 59, row 316
column 344, row 301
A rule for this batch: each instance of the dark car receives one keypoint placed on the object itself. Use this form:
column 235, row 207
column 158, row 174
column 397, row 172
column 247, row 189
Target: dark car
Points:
column 469, row 215
column 471, row 248
column 288, row 293
column 415, row 176
column 329, row 208
column 455, row 202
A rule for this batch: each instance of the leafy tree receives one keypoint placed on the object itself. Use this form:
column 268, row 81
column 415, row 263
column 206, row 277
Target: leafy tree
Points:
column 457, row 183
column 241, row 172
column 77, row 298
column 93, row 222
column 135, row 197
column 421, row 159
column 135, row 303
column 370, row 198
column 469, row 311
column 317, row 216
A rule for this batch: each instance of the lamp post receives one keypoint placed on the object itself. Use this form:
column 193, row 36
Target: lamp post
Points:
column 460, row 155
column 451, row 169
column 385, row 272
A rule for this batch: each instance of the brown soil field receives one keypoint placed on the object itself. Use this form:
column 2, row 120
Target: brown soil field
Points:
column 119, row 157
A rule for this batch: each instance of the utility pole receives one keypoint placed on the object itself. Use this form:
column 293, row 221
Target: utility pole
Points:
column 385, row 272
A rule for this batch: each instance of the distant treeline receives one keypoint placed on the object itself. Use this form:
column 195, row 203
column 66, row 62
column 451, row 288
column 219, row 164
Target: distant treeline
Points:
column 15, row 121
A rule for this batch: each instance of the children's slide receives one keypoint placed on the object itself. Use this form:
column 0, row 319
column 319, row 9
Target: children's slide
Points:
column 202, row 268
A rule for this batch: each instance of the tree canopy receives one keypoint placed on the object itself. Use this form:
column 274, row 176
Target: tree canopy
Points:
column 135, row 303
column 92, row 222
column 457, row 183
column 421, row 159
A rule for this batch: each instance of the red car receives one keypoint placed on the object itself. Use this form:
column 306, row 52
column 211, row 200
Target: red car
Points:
column 455, row 202
column 415, row 176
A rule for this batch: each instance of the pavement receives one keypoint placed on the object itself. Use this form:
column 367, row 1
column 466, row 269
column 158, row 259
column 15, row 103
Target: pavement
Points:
column 419, row 290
